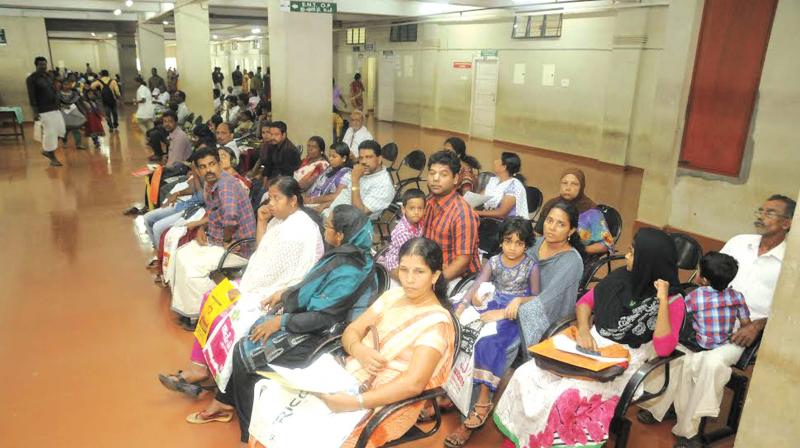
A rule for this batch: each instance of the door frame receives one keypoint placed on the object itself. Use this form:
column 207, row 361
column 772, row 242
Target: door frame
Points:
column 475, row 61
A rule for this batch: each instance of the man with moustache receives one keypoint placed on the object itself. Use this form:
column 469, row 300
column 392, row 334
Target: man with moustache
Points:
column 230, row 218
column 699, row 379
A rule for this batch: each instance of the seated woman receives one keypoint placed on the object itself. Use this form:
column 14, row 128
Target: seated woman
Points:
column 506, row 191
column 558, row 260
column 331, row 182
column 323, row 298
column 515, row 276
column 592, row 227
column 284, row 232
column 468, row 176
column 313, row 165
column 636, row 306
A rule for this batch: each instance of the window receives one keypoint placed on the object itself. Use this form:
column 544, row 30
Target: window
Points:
column 356, row 36
column 536, row 27
column 403, row 33
column 256, row 44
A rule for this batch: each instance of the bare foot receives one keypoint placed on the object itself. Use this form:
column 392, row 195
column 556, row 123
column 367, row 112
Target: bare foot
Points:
column 459, row 437
column 217, row 406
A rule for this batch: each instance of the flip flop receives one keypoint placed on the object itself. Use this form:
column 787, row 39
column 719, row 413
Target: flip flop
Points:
column 481, row 418
column 133, row 211
column 178, row 384
column 201, row 417
column 451, row 442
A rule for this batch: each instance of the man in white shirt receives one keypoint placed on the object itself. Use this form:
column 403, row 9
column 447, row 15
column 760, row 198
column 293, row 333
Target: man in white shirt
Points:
column 698, row 379
column 144, row 110
column 356, row 133
column 370, row 187
column 225, row 138
column 183, row 109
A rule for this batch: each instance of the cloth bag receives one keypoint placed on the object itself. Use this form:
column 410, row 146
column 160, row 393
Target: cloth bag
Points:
column 459, row 384
column 37, row 130
column 73, row 118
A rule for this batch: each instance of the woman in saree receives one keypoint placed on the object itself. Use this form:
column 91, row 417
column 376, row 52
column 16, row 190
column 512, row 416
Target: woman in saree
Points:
column 558, row 259
column 324, row 297
column 313, row 165
column 357, row 93
column 284, row 232
column 635, row 306
column 331, row 182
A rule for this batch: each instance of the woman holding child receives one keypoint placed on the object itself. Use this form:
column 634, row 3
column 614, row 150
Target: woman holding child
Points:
column 635, row 306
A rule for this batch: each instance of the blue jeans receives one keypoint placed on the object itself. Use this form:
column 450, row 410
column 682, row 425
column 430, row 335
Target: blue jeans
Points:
column 153, row 217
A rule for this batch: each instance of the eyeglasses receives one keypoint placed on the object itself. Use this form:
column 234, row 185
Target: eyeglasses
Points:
column 771, row 214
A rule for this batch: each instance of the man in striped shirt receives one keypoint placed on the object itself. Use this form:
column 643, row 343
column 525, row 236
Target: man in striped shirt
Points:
column 449, row 220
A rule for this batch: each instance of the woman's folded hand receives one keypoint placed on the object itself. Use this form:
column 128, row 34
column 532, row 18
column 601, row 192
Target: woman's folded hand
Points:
column 264, row 330
column 370, row 359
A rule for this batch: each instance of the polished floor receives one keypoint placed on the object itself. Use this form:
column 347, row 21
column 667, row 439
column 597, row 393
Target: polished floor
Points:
column 83, row 329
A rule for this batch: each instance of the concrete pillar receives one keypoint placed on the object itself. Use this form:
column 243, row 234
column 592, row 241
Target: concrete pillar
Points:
column 193, row 58
column 301, row 96
column 151, row 49
column 669, row 111
column 126, row 53
column 768, row 419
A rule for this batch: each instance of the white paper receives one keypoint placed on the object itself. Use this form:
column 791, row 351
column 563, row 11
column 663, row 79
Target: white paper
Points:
column 548, row 74
column 565, row 344
column 470, row 314
column 475, row 200
column 519, row 73
column 324, row 376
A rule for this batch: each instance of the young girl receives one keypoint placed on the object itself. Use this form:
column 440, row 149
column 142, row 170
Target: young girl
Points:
column 94, row 118
column 515, row 276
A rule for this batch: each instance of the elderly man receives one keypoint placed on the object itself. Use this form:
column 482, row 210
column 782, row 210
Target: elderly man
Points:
column 230, row 218
column 370, row 186
column 225, row 138
column 356, row 133
column 699, row 379
column 44, row 103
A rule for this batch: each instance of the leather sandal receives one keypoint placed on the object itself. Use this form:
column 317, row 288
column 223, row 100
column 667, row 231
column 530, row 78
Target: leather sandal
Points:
column 453, row 442
column 178, row 384
column 201, row 417
column 481, row 418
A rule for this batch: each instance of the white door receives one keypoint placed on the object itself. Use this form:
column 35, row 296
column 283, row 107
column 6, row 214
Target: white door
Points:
column 369, row 104
column 386, row 69
column 484, row 98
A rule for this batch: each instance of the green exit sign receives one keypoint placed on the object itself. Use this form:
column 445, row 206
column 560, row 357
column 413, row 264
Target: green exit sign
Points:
column 323, row 7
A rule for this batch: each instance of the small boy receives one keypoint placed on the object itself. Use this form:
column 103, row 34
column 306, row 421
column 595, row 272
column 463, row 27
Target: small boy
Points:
column 410, row 226
column 716, row 306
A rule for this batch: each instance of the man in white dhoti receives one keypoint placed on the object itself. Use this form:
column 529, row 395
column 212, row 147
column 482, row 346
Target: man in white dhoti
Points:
column 698, row 379
column 44, row 102
column 230, row 218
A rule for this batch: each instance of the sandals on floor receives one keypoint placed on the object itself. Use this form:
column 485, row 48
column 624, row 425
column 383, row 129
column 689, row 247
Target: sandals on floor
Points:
column 481, row 418
column 201, row 417
column 177, row 383
column 450, row 442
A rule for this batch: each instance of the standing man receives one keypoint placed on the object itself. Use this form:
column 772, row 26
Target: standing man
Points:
column 267, row 86
column 44, row 103
column 156, row 82
column 257, row 83
column 449, row 220
column 109, row 94
column 238, row 79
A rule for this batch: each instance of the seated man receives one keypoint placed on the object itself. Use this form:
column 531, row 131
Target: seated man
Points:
column 183, row 109
column 699, row 379
column 370, row 187
column 230, row 218
column 356, row 133
column 232, row 110
column 180, row 147
column 449, row 220
column 279, row 157
column 245, row 126
column 225, row 138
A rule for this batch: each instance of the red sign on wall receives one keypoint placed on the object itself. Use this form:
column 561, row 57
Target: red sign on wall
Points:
column 457, row 64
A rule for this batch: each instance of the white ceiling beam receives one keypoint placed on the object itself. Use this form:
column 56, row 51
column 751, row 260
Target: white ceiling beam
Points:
column 79, row 15
column 81, row 5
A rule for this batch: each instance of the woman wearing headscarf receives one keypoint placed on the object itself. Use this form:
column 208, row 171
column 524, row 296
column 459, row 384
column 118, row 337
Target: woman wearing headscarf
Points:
column 334, row 286
column 636, row 306
column 592, row 226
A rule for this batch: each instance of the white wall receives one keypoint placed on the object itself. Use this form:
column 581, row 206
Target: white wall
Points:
column 26, row 38
column 100, row 54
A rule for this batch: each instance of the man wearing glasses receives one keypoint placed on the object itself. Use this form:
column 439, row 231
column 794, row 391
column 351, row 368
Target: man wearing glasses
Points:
column 698, row 379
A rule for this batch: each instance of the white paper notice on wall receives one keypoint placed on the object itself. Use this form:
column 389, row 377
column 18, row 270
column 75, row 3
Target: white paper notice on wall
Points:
column 286, row 6
column 565, row 82
column 519, row 73
column 408, row 65
column 548, row 74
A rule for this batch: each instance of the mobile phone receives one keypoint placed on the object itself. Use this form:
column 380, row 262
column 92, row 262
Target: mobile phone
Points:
column 586, row 350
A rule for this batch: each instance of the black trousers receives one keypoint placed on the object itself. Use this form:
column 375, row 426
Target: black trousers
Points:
column 157, row 139
column 111, row 115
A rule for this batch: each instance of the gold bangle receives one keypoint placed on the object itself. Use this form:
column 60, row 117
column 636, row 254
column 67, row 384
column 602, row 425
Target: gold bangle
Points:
column 353, row 188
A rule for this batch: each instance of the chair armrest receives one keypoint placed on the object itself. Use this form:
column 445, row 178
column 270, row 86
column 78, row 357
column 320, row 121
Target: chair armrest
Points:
column 378, row 417
column 559, row 326
column 626, row 398
column 749, row 354
column 328, row 345
column 230, row 250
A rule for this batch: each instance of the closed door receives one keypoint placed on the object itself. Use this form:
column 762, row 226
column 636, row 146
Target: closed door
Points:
column 484, row 98
column 386, row 69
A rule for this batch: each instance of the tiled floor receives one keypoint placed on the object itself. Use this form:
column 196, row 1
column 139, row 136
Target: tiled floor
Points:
column 83, row 329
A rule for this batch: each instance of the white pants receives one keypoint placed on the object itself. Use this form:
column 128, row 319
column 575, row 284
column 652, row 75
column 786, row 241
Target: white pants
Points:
column 696, row 386
column 193, row 263
column 52, row 128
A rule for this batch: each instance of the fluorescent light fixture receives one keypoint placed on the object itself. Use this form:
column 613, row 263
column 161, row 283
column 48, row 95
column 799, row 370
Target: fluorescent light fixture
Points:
column 128, row 3
column 167, row 7
column 215, row 36
column 117, row 12
column 110, row 35
column 256, row 31
column 94, row 35
column 166, row 22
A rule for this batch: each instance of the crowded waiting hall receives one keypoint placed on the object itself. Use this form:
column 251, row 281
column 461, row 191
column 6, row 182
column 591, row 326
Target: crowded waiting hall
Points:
column 518, row 223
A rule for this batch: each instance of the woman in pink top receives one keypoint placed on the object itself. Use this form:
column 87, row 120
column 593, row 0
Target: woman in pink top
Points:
column 637, row 306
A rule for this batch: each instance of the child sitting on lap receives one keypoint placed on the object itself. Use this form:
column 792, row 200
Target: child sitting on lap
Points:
column 410, row 226
column 715, row 306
